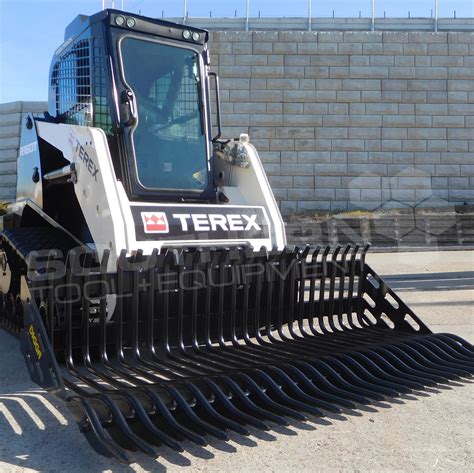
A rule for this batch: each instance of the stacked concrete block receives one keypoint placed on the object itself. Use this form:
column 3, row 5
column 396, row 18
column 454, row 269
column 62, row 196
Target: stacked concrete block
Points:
column 342, row 119
column 347, row 120
column 11, row 116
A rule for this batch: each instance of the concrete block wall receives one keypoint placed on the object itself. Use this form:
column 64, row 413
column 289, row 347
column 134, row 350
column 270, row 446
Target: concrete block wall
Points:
column 11, row 115
column 347, row 120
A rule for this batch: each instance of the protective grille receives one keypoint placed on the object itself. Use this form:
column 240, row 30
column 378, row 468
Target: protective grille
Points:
column 72, row 79
column 81, row 86
column 102, row 117
column 186, row 103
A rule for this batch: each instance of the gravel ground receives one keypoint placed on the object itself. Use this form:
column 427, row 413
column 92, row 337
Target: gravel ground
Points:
column 416, row 433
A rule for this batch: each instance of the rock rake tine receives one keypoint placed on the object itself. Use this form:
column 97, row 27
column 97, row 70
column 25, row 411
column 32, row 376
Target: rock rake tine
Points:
column 281, row 394
column 107, row 444
column 172, row 422
column 118, row 420
column 152, row 431
column 252, row 406
column 333, row 265
column 333, row 393
column 240, row 414
column 322, row 290
column 431, row 351
column 342, row 280
column 216, row 416
column 350, row 382
column 438, row 376
column 428, row 364
column 350, row 289
column 269, row 403
column 194, row 418
column 312, row 289
column 295, row 388
column 466, row 347
column 376, row 374
column 384, row 367
column 450, row 352
column 401, row 361
column 360, row 376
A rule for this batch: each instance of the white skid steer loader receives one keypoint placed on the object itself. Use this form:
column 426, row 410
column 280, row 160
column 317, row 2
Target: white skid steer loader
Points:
column 144, row 264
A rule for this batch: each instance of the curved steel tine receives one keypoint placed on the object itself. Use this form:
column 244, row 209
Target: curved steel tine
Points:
column 452, row 352
column 263, row 396
column 120, row 421
column 360, row 375
column 460, row 342
column 228, row 423
column 332, row 288
column 150, row 315
column 395, row 367
column 284, row 397
column 407, row 365
column 429, row 364
column 322, row 289
column 249, row 404
column 353, row 383
column 324, row 398
column 312, row 290
column 294, row 387
column 223, row 261
column 247, row 419
column 437, row 376
column 148, row 424
column 302, row 291
column 342, row 280
column 398, row 384
column 460, row 350
column 338, row 395
column 292, row 284
column 441, row 364
column 193, row 417
column 350, row 289
column 362, row 320
column 441, row 357
column 168, row 417
column 102, row 436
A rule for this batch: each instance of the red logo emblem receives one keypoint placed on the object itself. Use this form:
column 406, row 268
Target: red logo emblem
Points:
column 155, row 222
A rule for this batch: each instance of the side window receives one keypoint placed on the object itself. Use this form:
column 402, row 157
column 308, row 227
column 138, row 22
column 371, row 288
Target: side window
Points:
column 72, row 78
column 81, row 86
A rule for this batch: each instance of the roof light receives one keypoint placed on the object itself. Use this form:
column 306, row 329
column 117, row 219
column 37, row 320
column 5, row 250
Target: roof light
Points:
column 120, row 20
column 186, row 34
column 131, row 22
column 196, row 36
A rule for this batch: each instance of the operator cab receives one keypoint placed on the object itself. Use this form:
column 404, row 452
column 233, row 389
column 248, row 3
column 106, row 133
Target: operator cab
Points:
column 146, row 84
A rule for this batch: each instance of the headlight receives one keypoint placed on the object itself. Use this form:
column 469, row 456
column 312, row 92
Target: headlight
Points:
column 131, row 22
column 186, row 34
column 119, row 20
column 196, row 36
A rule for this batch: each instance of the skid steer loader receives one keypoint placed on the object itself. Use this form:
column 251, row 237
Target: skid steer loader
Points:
column 145, row 269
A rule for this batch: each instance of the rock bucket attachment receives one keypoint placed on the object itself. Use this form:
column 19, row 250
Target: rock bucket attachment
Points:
column 191, row 344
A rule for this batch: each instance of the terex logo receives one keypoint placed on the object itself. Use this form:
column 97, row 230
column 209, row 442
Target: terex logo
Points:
column 86, row 159
column 155, row 222
column 213, row 222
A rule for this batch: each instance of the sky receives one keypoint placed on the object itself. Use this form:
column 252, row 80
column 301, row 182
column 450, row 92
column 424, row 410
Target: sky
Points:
column 31, row 30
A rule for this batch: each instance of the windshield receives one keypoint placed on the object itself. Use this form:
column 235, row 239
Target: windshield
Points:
column 169, row 140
